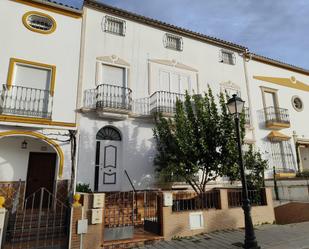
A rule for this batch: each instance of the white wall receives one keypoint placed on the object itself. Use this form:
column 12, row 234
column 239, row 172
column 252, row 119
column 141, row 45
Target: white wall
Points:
column 142, row 43
column 137, row 151
column 285, row 94
column 61, row 48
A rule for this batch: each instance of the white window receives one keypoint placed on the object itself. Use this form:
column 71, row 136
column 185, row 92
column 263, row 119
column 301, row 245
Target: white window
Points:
column 112, row 75
column 173, row 42
column 228, row 57
column 31, row 76
column 175, row 82
column 114, row 25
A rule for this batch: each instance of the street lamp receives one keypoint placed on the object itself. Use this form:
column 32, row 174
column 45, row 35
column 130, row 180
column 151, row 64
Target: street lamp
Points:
column 235, row 106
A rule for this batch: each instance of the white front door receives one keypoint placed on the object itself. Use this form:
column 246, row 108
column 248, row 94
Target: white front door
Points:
column 110, row 168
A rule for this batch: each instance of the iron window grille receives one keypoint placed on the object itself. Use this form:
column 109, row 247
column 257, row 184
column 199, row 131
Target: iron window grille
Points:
column 114, row 25
column 173, row 42
column 40, row 22
column 227, row 57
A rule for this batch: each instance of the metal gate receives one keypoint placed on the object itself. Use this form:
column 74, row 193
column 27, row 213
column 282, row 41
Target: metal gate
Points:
column 40, row 221
column 152, row 212
column 125, row 211
column 119, row 215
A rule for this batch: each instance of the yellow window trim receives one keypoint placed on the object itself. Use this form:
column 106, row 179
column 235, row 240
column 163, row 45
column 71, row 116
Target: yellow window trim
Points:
column 14, row 61
column 42, row 137
column 50, row 8
column 27, row 120
column 46, row 32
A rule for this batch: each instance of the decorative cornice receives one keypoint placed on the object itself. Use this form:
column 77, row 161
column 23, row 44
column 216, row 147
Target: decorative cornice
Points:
column 229, row 84
column 291, row 82
column 113, row 59
column 173, row 63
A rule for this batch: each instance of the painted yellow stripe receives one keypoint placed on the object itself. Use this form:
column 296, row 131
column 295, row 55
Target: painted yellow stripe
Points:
column 287, row 82
column 17, row 119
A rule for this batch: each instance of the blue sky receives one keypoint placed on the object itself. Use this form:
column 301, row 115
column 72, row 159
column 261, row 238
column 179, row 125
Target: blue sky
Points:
column 273, row 28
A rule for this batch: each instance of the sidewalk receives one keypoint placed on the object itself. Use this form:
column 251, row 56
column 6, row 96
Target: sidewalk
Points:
column 292, row 236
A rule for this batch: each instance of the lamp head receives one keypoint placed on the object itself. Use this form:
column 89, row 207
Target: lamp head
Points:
column 235, row 105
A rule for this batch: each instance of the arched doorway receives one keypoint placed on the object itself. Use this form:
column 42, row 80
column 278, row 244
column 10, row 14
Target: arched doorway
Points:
column 108, row 160
column 28, row 161
column 27, row 164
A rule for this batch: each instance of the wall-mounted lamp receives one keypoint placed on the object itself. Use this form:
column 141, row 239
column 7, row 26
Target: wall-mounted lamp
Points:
column 24, row 145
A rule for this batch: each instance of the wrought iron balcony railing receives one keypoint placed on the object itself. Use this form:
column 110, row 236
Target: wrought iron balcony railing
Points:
column 26, row 101
column 165, row 102
column 108, row 96
column 276, row 115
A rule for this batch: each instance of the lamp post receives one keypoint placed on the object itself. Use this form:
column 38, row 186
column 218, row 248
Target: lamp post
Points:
column 235, row 106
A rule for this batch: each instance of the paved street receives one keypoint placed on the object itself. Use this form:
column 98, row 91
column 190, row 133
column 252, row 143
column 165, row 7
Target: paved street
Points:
column 293, row 236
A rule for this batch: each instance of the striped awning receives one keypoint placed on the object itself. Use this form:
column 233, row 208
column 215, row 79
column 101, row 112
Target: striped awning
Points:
column 277, row 136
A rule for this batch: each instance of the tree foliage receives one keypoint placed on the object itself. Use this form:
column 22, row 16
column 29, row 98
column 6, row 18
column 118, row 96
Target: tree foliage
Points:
column 199, row 140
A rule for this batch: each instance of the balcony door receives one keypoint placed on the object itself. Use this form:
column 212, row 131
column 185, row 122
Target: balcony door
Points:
column 29, row 90
column 115, row 84
column 174, row 82
column 108, row 170
column 271, row 105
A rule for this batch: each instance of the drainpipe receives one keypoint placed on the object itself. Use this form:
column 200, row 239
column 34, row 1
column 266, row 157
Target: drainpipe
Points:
column 245, row 61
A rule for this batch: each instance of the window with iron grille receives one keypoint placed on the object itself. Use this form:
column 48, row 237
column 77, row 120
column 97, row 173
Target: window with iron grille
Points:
column 228, row 57
column 173, row 42
column 114, row 25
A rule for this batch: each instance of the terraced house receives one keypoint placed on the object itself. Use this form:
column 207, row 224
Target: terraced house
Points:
column 40, row 45
column 80, row 85
column 133, row 66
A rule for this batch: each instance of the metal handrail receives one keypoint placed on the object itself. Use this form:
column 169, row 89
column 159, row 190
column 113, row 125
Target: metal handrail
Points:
column 164, row 101
column 108, row 96
column 26, row 101
column 276, row 114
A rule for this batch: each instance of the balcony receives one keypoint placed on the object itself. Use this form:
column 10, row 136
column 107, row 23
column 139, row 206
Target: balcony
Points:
column 26, row 102
column 164, row 102
column 109, row 99
column 277, row 118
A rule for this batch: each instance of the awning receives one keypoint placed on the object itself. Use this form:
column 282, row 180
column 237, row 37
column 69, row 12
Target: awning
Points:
column 277, row 136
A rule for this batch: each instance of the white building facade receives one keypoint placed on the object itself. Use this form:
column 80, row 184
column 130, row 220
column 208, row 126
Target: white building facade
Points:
column 279, row 103
column 133, row 66
column 39, row 60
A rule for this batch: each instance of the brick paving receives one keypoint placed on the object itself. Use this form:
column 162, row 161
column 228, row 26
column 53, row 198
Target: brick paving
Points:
column 292, row 236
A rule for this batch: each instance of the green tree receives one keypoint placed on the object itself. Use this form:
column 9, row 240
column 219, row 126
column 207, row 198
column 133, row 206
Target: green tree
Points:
column 201, row 140
column 198, row 140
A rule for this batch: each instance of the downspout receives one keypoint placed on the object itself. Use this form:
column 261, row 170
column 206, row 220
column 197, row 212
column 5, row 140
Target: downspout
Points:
column 79, row 93
column 245, row 61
